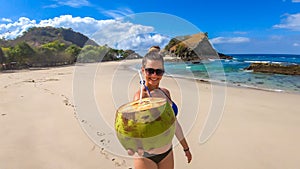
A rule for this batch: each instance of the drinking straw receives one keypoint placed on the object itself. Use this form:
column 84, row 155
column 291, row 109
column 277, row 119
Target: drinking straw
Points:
column 142, row 83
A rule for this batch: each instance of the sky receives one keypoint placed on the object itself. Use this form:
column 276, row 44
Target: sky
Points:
column 233, row 27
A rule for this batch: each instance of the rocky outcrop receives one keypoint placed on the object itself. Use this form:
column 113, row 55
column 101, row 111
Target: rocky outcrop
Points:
column 194, row 47
column 275, row 68
column 223, row 56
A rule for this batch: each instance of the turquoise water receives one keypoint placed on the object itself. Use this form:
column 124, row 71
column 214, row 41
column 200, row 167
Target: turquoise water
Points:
column 232, row 72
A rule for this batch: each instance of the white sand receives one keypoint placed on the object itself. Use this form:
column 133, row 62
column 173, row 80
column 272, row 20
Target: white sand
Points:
column 40, row 128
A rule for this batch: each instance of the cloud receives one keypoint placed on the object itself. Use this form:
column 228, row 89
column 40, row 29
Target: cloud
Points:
column 276, row 37
column 220, row 40
column 295, row 1
column 296, row 44
column 240, row 33
column 114, row 33
column 6, row 20
column 142, row 42
column 291, row 21
column 14, row 29
column 116, row 14
column 126, row 35
column 71, row 3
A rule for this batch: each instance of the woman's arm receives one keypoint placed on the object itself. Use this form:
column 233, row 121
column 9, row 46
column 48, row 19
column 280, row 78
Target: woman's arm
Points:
column 180, row 136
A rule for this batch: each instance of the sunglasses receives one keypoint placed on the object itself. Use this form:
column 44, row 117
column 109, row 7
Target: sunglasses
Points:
column 158, row 72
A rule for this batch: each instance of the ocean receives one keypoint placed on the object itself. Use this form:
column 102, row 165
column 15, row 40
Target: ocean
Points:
column 232, row 72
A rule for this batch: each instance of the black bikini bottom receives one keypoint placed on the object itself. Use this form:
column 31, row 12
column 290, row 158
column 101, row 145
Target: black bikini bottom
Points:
column 157, row 157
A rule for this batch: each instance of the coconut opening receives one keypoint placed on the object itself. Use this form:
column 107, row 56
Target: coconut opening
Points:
column 144, row 104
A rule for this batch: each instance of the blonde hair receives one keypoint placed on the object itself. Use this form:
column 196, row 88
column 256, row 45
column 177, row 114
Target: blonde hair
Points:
column 153, row 55
column 154, row 49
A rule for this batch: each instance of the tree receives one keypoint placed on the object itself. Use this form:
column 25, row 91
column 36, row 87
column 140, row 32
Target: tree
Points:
column 181, row 48
column 73, row 51
column 127, row 53
column 206, row 34
column 2, row 58
column 21, row 53
column 88, row 54
column 172, row 43
column 55, row 45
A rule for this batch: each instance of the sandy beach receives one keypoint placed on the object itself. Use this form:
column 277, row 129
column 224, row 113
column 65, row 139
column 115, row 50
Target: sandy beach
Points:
column 42, row 125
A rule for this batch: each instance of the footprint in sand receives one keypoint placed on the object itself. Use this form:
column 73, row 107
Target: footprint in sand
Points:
column 67, row 101
column 117, row 161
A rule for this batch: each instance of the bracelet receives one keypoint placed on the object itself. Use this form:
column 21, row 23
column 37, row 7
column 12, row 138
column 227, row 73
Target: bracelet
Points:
column 185, row 150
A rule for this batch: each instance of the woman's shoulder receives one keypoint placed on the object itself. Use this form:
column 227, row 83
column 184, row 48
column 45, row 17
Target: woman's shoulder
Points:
column 166, row 91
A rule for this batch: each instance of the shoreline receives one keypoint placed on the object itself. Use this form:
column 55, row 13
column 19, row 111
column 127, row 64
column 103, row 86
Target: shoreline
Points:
column 226, row 83
column 216, row 82
column 137, row 61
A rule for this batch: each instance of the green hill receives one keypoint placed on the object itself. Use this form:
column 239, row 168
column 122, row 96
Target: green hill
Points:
column 37, row 36
column 49, row 46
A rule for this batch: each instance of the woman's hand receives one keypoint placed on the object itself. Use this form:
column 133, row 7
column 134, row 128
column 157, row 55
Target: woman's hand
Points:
column 188, row 156
column 131, row 152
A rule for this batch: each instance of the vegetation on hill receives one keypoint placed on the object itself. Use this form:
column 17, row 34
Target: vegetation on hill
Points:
column 48, row 46
column 37, row 36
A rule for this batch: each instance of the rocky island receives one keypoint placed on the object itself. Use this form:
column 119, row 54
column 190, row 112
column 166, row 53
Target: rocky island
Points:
column 275, row 68
column 194, row 48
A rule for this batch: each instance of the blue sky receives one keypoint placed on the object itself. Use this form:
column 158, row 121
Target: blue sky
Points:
column 256, row 26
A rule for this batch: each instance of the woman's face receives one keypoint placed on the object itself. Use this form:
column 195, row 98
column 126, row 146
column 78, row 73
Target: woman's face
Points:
column 153, row 72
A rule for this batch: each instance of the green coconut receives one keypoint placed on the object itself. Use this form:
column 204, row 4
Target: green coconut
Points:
column 145, row 124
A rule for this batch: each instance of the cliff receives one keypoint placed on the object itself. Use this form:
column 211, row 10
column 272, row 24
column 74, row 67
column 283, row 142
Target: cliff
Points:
column 193, row 48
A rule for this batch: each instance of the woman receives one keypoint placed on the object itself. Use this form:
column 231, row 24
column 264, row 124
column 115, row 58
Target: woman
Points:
column 161, row 158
